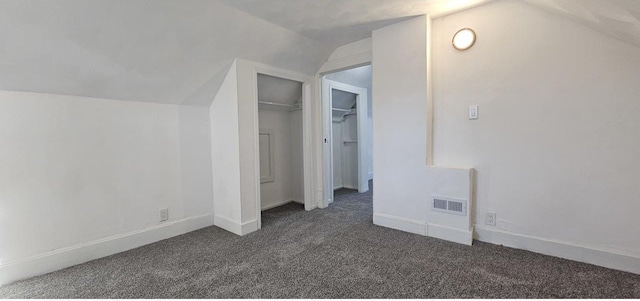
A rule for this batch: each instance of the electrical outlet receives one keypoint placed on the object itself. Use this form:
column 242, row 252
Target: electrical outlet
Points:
column 490, row 218
column 164, row 214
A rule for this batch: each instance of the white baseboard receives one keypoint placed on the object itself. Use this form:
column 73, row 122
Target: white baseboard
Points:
column 236, row 227
column 450, row 234
column 399, row 223
column 612, row 259
column 422, row 228
column 70, row 256
column 276, row 205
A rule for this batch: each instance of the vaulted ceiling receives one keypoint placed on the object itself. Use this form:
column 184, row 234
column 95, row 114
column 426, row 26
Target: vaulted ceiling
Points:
column 177, row 51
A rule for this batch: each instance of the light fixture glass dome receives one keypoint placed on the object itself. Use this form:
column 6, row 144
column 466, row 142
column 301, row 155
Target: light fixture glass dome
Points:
column 464, row 39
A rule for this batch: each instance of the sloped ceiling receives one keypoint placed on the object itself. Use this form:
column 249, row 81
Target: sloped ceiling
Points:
column 163, row 51
column 278, row 90
column 618, row 18
column 339, row 22
column 177, row 51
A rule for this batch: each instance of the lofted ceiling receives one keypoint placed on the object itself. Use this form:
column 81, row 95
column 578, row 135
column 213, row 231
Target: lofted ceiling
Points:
column 618, row 18
column 178, row 51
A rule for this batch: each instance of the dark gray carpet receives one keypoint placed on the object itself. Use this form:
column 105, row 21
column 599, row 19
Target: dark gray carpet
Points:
column 331, row 253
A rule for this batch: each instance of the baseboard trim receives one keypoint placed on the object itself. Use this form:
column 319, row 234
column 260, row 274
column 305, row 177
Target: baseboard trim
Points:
column 62, row 258
column 422, row 228
column 235, row 227
column 399, row 223
column 276, row 205
column 450, row 234
column 612, row 259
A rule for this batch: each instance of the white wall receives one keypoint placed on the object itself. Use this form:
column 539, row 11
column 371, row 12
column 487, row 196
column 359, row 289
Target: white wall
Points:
column 345, row 155
column 280, row 190
column 225, row 154
column 555, row 148
column 78, row 171
column 404, row 184
column 349, row 152
column 336, row 128
column 297, row 158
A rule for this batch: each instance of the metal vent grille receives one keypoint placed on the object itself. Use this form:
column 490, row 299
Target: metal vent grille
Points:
column 455, row 206
column 440, row 204
column 449, row 205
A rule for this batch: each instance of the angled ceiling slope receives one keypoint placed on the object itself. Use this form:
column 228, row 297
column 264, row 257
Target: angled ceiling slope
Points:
column 618, row 18
column 162, row 51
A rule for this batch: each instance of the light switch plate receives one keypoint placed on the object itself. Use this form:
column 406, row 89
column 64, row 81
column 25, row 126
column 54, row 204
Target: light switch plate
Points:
column 473, row 112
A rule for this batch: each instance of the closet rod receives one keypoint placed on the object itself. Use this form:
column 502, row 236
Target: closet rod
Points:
column 341, row 110
column 275, row 104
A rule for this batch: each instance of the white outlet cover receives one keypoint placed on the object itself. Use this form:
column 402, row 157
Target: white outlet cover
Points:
column 164, row 214
column 490, row 218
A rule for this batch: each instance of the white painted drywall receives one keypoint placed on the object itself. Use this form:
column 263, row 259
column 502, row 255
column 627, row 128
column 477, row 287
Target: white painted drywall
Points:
column 348, row 56
column 555, row 148
column 280, row 190
column 154, row 51
column 345, row 153
column 403, row 182
column 349, row 151
column 76, row 170
column 225, row 153
column 296, row 156
column 336, row 128
column 247, row 137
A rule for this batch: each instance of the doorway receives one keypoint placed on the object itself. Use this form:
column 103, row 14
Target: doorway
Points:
column 347, row 151
column 280, row 143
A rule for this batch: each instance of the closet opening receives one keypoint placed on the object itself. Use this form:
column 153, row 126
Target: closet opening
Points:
column 348, row 157
column 280, row 144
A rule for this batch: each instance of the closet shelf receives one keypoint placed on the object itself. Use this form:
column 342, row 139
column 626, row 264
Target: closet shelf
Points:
column 276, row 104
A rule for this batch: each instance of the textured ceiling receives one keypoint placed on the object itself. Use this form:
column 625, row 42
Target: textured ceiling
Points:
column 618, row 18
column 339, row 22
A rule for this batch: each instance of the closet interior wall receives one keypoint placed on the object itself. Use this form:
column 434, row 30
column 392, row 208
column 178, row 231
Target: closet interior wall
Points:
column 280, row 122
column 345, row 141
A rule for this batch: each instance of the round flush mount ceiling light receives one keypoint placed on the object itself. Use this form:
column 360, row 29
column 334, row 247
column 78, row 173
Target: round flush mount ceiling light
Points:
column 464, row 39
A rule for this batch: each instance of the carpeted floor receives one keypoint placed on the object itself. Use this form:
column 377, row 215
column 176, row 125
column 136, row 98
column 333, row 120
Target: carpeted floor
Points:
column 331, row 253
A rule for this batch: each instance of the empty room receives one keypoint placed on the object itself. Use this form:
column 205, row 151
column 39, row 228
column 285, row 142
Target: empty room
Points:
column 319, row 149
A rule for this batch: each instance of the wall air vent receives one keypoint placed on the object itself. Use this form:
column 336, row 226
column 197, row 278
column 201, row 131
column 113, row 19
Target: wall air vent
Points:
column 449, row 205
column 440, row 204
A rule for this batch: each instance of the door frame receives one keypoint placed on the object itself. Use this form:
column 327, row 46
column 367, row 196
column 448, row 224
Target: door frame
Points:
column 307, row 131
column 327, row 113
